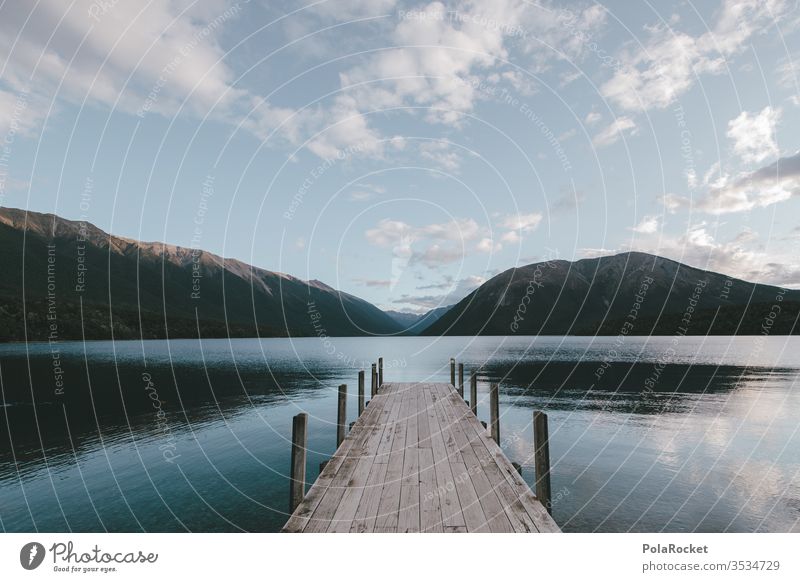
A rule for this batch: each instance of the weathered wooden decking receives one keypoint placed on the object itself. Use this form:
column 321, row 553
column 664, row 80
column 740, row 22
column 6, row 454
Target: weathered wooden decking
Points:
column 418, row 460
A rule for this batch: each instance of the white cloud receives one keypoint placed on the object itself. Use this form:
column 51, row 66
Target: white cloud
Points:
column 614, row 131
column 671, row 61
column 345, row 10
column 442, row 154
column 167, row 56
column 592, row 118
column 522, row 222
column 765, row 186
column 20, row 114
column 648, row 225
column 487, row 245
column 375, row 282
column 431, row 76
column 511, row 237
column 436, row 243
column 787, row 71
column 518, row 224
column 444, row 52
column 437, row 255
column 674, row 202
column 754, row 135
column 363, row 191
column 163, row 57
column 699, row 247
column 389, row 233
column 453, row 292
column 126, row 55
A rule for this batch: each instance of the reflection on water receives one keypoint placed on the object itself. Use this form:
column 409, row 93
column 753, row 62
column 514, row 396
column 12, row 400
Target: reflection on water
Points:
column 652, row 435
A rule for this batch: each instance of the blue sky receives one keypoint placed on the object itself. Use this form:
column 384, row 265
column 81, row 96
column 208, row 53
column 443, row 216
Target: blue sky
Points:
column 406, row 152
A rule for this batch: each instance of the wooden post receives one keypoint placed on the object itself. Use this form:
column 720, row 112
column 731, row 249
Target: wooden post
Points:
column 341, row 416
column 453, row 372
column 461, row 379
column 297, row 476
column 473, row 393
column 360, row 392
column 374, row 381
column 541, row 445
column 494, row 412
column 380, row 372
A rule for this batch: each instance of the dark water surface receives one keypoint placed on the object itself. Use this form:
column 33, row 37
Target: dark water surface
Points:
column 647, row 434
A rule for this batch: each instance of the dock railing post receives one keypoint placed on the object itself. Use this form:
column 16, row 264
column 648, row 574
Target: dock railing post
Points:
column 461, row 379
column 341, row 415
column 453, row 372
column 374, row 381
column 541, row 444
column 494, row 412
column 297, row 476
column 360, row 392
column 380, row 372
column 473, row 393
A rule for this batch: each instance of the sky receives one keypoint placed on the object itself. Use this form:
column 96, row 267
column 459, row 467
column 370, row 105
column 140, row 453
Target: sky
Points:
column 406, row 152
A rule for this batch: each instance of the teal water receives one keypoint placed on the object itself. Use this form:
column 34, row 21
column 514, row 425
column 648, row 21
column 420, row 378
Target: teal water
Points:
column 647, row 434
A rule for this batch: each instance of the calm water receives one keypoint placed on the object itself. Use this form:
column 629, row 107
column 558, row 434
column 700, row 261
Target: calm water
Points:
column 713, row 445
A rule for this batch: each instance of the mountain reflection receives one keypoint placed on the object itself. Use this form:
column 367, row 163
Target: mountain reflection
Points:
column 640, row 387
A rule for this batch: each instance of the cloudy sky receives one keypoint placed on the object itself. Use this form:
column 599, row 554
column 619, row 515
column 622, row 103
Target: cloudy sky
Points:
column 405, row 152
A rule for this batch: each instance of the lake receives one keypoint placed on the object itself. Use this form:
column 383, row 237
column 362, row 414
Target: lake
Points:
column 647, row 434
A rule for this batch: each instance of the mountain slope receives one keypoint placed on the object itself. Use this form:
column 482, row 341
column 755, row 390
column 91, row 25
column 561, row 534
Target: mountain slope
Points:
column 415, row 323
column 584, row 297
column 155, row 289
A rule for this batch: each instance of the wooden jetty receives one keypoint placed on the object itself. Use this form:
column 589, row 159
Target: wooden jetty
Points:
column 418, row 460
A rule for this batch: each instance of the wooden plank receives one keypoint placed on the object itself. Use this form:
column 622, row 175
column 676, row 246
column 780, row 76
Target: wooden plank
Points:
column 350, row 501
column 389, row 506
column 423, row 421
column 418, row 459
column 449, row 504
column 515, row 511
column 340, row 473
column 526, row 507
column 300, row 518
column 367, row 512
column 408, row 518
column 474, row 517
column 521, row 491
column 409, row 515
column 430, row 507
column 484, row 488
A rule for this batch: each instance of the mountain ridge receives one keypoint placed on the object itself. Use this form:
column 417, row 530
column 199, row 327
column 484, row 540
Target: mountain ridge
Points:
column 185, row 288
column 578, row 298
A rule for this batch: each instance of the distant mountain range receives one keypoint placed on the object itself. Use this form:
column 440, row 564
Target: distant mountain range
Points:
column 80, row 282
column 415, row 323
column 630, row 293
